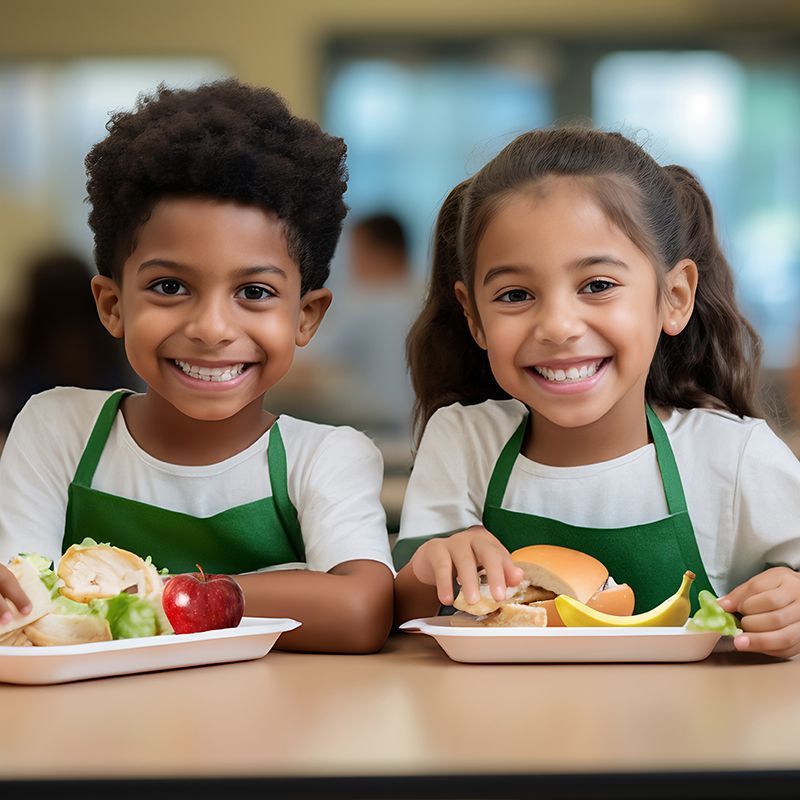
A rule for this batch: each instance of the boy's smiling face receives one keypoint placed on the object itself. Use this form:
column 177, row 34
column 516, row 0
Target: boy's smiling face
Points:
column 210, row 305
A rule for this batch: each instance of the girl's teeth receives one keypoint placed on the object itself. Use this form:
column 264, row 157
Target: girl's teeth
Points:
column 215, row 374
column 571, row 374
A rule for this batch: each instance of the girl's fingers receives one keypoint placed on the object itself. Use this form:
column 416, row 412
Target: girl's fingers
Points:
column 783, row 643
column 492, row 559
column 433, row 565
column 768, row 601
column 772, row 578
column 773, row 620
column 466, row 570
column 514, row 574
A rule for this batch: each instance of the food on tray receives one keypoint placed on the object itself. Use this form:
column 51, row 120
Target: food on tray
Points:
column 96, row 593
column 674, row 611
column 549, row 571
column 712, row 617
column 196, row 602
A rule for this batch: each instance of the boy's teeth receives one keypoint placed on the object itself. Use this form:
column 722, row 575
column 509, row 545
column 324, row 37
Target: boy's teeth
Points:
column 570, row 374
column 216, row 374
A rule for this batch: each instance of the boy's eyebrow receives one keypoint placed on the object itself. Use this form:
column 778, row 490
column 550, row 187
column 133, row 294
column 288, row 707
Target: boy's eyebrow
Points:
column 243, row 272
column 581, row 263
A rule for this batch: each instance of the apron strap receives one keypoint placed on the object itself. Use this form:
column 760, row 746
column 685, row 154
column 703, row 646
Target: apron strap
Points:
column 505, row 463
column 670, row 476
column 287, row 514
column 97, row 439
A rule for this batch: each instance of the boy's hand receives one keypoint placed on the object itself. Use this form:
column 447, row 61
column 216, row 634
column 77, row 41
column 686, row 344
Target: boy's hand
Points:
column 465, row 552
column 10, row 590
column 770, row 607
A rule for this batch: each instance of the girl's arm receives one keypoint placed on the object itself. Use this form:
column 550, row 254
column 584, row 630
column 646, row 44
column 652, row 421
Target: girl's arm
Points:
column 345, row 610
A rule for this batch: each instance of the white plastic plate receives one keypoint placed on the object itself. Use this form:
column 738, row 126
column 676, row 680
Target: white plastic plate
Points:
column 541, row 645
column 253, row 638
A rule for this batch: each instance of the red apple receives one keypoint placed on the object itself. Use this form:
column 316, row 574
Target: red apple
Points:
column 194, row 602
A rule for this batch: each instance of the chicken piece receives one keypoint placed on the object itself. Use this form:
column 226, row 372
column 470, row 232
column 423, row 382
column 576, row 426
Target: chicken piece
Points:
column 516, row 615
column 62, row 629
column 99, row 571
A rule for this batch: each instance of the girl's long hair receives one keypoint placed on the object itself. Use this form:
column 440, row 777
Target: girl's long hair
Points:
column 713, row 362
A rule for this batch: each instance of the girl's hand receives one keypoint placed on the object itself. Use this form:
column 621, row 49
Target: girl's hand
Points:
column 465, row 552
column 770, row 607
column 10, row 590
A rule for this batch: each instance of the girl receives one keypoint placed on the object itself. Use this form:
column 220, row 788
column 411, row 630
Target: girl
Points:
column 585, row 378
column 215, row 213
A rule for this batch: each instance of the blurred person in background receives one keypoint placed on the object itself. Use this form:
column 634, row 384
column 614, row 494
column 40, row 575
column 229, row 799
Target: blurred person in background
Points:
column 357, row 372
column 56, row 338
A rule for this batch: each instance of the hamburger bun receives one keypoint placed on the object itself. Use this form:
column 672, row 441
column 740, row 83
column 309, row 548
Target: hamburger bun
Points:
column 549, row 570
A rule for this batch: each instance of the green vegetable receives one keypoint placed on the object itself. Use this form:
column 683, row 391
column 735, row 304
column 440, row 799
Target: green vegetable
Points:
column 44, row 566
column 128, row 615
column 711, row 617
column 63, row 605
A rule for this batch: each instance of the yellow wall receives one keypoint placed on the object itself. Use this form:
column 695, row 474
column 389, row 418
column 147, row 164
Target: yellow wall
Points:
column 276, row 43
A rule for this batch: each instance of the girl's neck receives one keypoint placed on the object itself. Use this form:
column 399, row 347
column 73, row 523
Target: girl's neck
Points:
column 168, row 435
column 622, row 430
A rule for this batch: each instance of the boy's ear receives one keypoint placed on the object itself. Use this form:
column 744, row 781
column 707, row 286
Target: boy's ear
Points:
column 472, row 319
column 107, row 297
column 313, row 306
column 679, row 293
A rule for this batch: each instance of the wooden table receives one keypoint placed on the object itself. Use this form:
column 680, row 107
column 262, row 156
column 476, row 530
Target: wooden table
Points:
column 408, row 722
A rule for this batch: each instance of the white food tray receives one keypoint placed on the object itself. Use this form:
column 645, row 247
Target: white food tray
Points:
column 253, row 638
column 541, row 645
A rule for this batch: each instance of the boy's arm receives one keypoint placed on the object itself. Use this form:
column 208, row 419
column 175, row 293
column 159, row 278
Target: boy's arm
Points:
column 412, row 598
column 345, row 610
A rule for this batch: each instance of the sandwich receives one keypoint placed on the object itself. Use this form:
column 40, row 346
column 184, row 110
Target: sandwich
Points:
column 549, row 571
column 96, row 593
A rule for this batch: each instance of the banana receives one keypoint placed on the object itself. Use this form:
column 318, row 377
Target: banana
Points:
column 674, row 611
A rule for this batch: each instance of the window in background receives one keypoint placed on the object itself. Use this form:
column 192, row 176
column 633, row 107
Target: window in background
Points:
column 416, row 126
column 737, row 126
column 51, row 115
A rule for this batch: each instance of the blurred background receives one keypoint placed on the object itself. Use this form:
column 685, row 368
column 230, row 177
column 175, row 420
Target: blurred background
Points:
column 424, row 93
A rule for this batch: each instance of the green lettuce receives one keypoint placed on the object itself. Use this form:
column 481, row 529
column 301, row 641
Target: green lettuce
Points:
column 128, row 615
column 44, row 566
column 712, row 617
column 63, row 605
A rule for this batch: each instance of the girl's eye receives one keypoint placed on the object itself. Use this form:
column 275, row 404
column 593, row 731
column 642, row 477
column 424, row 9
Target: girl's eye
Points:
column 168, row 286
column 597, row 286
column 254, row 293
column 515, row 296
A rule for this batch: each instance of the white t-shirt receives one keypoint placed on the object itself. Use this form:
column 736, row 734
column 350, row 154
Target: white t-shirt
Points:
column 742, row 485
column 334, row 477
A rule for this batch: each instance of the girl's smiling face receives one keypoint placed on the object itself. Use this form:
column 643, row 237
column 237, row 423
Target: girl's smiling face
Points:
column 566, row 306
column 209, row 305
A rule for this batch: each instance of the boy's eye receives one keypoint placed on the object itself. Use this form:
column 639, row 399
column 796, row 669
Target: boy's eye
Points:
column 515, row 296
column 597, row 286
column 254, row 293
column 168, row 286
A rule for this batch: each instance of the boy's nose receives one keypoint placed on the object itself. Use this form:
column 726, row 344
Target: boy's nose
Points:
column 211, row 323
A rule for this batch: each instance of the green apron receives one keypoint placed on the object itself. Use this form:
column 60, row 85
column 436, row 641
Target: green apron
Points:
column 245, row 538
column 651, row 558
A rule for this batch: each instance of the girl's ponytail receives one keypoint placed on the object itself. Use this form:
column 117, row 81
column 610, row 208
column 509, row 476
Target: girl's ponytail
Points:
column 715, row 360
column 445, row 363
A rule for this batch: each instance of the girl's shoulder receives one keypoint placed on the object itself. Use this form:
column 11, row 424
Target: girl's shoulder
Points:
column 487, row 425
column 307, row 441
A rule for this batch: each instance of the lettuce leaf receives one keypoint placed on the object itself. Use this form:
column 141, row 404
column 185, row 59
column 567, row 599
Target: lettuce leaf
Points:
column 44, row 566
column 128, row 615
column 63, row 605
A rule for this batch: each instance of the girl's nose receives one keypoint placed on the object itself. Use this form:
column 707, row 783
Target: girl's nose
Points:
column 558, row 322
column 211, row 323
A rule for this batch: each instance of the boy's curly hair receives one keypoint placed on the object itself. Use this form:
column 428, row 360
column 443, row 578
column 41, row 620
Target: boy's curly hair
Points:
column 224, row 140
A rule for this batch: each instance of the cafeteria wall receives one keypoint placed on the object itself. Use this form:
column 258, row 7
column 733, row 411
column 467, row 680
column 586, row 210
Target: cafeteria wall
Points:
column 288, row 46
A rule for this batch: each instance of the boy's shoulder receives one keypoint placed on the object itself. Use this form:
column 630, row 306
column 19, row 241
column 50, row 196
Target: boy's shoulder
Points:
column 66, row 407
column 306, row 440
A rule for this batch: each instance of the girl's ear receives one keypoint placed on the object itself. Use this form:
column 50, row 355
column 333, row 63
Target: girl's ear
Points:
column 679, row 295
column 472, row 318
column 107, row 297
column 313, row 306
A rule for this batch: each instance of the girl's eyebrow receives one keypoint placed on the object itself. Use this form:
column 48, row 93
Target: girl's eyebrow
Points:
column 581, row 263
column 239, row 273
